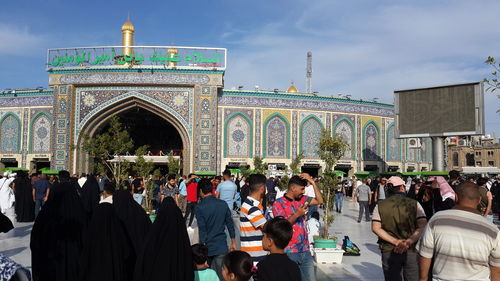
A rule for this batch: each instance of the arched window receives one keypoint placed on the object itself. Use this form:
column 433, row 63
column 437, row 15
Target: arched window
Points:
column 40, row 134
column 469, row 157
column 346, row 131
column 455, row 159
column 310, row 136
column 11, row 133
column 238, row 136
column 276, row 137
column 371, row 142
column 393, row 145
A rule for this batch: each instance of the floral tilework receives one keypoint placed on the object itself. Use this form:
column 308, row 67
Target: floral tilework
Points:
column 40, row 134
column 238, row 137
column 393, row 145
column 371, row 142
column 345, row 130
column 276, row 137
column 310, row 135
column 11, row 133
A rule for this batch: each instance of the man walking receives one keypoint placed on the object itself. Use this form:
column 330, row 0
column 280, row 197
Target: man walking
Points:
column 462, row 244
column 252, row 218
column 183, row 193
column 41, row 190
column 485, row 203
column 293, row 207
column 192, row 197
column 364, row 196
column 213, row 218
column 398, row 221
column 226, row 190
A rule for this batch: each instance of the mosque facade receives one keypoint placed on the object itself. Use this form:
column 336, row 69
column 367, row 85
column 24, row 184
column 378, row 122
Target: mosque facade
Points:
column 217, row 128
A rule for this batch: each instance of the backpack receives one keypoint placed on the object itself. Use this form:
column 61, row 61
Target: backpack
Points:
column 350, row 249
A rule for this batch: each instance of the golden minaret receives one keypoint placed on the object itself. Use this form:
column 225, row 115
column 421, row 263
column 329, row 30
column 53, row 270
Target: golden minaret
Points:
column 128, row 37
column 172, row 52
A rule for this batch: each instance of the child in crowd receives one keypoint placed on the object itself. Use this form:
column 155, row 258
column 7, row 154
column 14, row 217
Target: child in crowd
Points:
column 277, row 266
column 237, row 266
column 200, row 258
column 313, row 227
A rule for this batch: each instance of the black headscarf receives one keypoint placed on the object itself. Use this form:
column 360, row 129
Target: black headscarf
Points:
column 25, row 207
column 90, row 195
column 5, row 223
column 133, row 217
column 107, row 252
column 167, row 252
column 57, row 235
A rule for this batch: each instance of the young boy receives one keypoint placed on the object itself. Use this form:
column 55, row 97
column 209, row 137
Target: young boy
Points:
column 277, row 266
column 200, row 258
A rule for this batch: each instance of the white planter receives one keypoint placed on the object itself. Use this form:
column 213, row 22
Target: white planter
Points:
column 326, row 256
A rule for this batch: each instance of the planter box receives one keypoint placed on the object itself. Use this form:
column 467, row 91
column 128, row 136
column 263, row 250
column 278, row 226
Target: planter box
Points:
column 326, row 256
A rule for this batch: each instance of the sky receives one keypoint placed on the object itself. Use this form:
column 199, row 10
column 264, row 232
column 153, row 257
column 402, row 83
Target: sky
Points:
column 364, row 48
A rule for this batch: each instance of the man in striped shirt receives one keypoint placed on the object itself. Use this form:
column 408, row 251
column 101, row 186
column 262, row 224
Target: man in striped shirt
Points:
column 462, row 244
column 252, row 218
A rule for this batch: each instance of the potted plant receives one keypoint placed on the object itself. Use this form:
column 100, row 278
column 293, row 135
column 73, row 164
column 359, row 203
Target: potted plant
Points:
column 330, row 150
column 143, row 168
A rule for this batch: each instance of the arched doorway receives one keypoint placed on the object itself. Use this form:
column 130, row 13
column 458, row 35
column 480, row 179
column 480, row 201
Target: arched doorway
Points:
column 146, row 123
column 147, row 128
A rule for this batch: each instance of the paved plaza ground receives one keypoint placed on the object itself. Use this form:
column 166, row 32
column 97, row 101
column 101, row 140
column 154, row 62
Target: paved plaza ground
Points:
column 15, row 245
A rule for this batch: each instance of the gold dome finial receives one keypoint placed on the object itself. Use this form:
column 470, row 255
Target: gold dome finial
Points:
column 292, row 89
column 128, row 37
column 128, row 26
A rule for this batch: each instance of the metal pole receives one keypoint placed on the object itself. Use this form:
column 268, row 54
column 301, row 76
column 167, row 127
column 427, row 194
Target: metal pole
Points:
column 437, row 154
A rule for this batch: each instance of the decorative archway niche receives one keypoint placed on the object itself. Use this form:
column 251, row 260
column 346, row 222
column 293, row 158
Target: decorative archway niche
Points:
column 80, row 160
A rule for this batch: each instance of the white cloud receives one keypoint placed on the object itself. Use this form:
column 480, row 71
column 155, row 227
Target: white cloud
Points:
column 369, row 51
column 19, row 40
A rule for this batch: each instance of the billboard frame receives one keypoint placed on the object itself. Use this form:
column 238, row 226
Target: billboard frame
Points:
column 478, row 107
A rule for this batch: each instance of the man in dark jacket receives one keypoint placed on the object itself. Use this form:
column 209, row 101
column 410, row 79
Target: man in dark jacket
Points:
column 214, row 217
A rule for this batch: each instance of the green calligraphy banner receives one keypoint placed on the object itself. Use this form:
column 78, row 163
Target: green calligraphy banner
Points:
column 183, row 57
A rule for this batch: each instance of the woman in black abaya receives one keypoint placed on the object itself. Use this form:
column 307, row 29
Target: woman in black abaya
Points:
column 167, row 252
column 90, row 195
column 57, row 235
column 133, row 217
column 25, row 207
column 107, row 252
column 5, row 223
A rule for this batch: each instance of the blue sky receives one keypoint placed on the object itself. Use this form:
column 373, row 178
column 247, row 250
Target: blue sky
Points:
column 364, row 48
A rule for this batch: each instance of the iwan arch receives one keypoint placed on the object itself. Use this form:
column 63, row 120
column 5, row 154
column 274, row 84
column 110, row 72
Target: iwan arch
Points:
column 174, row 99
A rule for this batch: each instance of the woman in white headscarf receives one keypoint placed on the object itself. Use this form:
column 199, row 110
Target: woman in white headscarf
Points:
column 7, row 197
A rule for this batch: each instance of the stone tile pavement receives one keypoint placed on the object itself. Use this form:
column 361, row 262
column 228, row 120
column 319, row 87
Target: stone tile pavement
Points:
column 15, row 245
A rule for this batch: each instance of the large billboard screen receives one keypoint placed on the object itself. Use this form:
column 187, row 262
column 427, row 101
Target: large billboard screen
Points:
column 452, row 110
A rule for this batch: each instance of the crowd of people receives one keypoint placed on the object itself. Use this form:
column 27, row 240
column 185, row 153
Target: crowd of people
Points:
column 85, row 228
column 433, row 228
column 88, row 229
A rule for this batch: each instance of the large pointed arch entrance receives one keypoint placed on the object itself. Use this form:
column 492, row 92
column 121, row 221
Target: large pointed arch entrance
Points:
column 146, row 123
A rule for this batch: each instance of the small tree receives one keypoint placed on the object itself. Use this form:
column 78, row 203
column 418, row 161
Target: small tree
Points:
column 143, row 169
column 259, row 165
column 295, row 165
column 493, row 82
column 283, row 183
column 330, row 150
column 245, row 172
column 107, row 148
column 173, row 166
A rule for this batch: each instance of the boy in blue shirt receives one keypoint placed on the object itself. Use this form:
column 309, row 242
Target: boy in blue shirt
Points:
column 200, row 259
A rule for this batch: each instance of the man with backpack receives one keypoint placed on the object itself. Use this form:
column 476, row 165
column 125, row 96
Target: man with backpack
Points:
column 398, row 221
